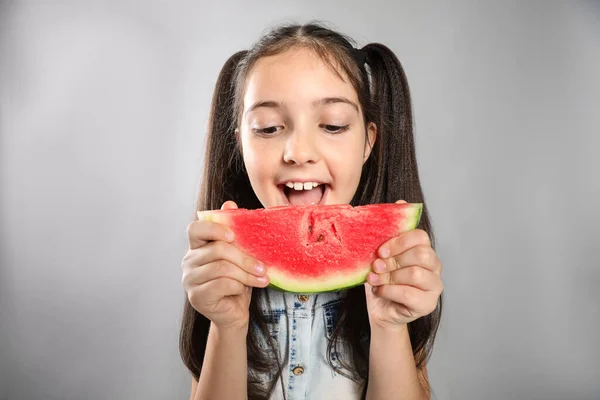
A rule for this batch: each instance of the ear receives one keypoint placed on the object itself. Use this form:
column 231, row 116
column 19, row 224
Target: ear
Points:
column 370, row 142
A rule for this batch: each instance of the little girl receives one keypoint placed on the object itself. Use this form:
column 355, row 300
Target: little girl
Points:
column 304, row 106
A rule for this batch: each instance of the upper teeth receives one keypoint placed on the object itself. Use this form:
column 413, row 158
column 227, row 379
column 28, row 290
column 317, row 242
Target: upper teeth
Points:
column 301, row 185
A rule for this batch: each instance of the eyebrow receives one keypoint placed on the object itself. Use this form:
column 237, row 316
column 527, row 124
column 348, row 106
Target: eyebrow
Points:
column 321, row 102
column 267, row 104
column 334, row 100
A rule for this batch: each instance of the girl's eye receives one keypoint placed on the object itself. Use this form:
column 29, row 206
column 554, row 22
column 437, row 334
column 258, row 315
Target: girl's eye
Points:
column 269, row 131
column 335, row 128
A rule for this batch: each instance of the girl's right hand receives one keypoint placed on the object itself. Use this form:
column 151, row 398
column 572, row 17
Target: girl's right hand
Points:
column 217, row 276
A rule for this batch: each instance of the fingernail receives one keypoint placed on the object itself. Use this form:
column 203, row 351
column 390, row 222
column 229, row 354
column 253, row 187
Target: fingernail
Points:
column 259, row 268
column 229, row 235
column 384, row 252
column 379, row 266
column 263, row 279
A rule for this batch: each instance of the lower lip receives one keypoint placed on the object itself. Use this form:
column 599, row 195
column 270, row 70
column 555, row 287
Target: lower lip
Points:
column 320, row 203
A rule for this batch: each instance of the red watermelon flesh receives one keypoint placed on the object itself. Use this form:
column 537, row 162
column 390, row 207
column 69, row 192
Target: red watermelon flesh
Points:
column 310, row 249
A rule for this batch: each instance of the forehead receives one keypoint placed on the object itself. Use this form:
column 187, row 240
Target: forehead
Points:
column 297, row 76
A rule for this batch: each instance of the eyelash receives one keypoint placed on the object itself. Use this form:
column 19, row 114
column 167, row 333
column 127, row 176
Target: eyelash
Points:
column 263, row 133
column 337, row 129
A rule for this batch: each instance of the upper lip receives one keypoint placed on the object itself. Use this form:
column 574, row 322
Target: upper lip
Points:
column 301, row 180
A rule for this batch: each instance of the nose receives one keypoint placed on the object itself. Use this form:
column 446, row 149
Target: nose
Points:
column 301, row 148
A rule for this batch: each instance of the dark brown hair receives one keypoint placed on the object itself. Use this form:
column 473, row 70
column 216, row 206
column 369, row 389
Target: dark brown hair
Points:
column 389, row 174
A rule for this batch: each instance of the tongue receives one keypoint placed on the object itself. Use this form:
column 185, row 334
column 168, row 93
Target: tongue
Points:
column 305, row 197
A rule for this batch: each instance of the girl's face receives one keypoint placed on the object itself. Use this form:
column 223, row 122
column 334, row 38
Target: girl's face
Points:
column 302, row 132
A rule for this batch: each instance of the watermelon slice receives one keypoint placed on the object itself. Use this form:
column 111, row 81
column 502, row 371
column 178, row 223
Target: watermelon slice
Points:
column 311, row 249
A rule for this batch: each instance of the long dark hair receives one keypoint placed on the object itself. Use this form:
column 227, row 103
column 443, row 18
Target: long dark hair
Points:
column 389, row 174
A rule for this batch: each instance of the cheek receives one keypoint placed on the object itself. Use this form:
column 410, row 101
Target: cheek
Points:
column 259, row 157
column 346, row 160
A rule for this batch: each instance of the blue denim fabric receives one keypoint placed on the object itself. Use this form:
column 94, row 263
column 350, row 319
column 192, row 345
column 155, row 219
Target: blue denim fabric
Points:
column 301, row 326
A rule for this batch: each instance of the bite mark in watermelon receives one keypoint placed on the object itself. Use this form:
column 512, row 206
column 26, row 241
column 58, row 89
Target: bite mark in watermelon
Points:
column 311, row 249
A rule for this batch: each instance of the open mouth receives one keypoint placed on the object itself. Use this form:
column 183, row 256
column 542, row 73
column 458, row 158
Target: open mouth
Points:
column 309, row 193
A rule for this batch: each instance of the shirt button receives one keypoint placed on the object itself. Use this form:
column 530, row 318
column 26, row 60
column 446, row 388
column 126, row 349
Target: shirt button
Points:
column 303, row 298
column 298, row 371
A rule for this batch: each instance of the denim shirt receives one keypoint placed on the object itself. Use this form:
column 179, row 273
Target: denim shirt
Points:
column 301, row 326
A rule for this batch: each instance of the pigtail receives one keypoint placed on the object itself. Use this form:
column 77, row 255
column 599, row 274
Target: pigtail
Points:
column 396, row 162
column 224, row 174
column 217, row 169
column 392, row 112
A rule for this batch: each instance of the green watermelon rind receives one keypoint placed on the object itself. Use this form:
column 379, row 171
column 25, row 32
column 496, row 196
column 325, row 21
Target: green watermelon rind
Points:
column 321, row 285
column 303, row 287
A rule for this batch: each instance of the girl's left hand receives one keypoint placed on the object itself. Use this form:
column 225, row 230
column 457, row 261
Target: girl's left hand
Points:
column 406, row 282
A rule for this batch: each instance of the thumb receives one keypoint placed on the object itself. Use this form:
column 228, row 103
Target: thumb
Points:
column 229, row 205
column 401, row 202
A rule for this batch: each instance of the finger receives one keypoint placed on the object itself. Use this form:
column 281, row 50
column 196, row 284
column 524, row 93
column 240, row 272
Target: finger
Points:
column 213, row 291
column 401, row 202
column 414, row 276
column 220, row 250
column 404, row 241
column 221, row 269
column 418, row 302
column 229, row 205
column 422, row 256
column 202, row 232
column 226, row 287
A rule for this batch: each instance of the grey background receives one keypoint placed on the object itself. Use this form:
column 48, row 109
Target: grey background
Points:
column 102, row 112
